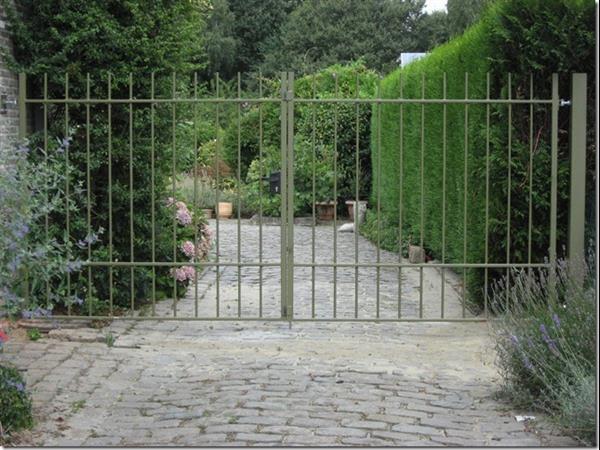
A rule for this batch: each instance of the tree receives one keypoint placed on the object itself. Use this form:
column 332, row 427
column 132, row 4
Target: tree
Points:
column 463, row 13
column 320, row 33
column 221, row 43
column 434, row 30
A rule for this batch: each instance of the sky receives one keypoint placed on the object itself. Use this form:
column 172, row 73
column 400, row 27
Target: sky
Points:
column 435, row 5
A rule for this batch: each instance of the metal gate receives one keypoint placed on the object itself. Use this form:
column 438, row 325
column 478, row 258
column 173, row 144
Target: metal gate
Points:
column 299, row 292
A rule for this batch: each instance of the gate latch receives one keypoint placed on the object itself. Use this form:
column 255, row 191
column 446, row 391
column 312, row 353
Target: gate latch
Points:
column 564, row 102
column 274, row 180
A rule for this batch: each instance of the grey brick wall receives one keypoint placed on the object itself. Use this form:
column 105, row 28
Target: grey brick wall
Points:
column 9, row 120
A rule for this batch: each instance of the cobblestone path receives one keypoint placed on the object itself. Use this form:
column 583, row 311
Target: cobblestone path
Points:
column 268, row 383
column 260, row 290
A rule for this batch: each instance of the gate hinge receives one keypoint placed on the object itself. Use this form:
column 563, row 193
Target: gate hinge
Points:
column 564, row 102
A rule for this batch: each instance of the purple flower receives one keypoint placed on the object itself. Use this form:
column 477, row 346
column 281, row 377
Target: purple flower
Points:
column 548, row 340
column 527, row 362
column 556, row 320
column 514, row 339
column 17, row 385
column 73, row 266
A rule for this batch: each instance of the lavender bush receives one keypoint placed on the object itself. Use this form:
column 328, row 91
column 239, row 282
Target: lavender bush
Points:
column 546, row 343
column 33, row 264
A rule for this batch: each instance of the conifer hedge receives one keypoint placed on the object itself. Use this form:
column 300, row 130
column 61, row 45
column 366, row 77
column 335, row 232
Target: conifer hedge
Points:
column 529, row 39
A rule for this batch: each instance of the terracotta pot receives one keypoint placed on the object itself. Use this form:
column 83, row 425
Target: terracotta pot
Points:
column 362, row 208
column 325, row 210
column 208, row 213
column 225, row 210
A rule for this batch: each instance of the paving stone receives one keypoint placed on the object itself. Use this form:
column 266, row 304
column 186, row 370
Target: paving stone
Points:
column 417, row 429
column 258, row 437
column 340, row 431
column 368, row 424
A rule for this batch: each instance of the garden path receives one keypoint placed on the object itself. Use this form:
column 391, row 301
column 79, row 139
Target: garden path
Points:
column 266, row 383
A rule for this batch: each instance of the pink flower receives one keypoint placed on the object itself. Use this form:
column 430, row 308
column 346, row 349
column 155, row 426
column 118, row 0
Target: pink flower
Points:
column 188, row 248
column 170, row 201
column 184, row 273
column 183, row 216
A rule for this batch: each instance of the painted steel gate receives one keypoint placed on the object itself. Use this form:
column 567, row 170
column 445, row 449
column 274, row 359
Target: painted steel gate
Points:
column 297, row 268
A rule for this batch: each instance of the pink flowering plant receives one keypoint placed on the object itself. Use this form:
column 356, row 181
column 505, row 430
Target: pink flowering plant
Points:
column 194, row 241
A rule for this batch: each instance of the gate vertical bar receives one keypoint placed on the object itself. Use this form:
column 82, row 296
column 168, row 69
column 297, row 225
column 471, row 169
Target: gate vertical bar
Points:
column 465, row 194
column 239, row 195
column 88, row 183
column 554, row 183
column 131, row 224
column 355, row 219
column 22, row 105
column 217, row 192
column 110, row 209
column 578, row 169
column 283, row 194
column 173, row 180
column 422, row 198
column 260, row 196
column 335, row 163
column 509, row 191
column 290, row 194
column 67, row 187
column 153, row 194
column 22, row 136
column 444, row 150
column 400, row 196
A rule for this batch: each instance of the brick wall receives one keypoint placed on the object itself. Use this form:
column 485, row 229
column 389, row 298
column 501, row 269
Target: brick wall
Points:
column 9, row 120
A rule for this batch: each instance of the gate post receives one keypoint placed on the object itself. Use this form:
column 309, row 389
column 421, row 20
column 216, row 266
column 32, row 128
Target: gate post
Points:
column 576, row 249
column 22, row 106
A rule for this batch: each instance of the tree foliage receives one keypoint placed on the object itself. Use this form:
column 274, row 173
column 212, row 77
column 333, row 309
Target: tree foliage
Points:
column 463, row 13
column 97, row 37
column 320, row 33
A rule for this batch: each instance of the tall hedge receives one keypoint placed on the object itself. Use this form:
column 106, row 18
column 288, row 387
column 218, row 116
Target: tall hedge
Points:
column 531, row 40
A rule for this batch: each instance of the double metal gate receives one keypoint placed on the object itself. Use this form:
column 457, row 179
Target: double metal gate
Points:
column 387, row 299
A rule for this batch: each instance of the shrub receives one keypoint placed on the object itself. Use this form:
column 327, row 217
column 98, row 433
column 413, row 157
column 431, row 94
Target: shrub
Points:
column 34, row 264
column 516, row 37
column 546, row 345
column 324, row 125
column 94, row 38
column 15, row 402
column 305, row 164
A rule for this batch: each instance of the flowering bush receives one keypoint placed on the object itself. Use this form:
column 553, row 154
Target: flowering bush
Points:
column 15, row 402
column 194, row 240
column 546, row 345
column 34, row 257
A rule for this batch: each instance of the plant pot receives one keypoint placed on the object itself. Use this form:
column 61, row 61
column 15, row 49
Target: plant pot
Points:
column 225, row 210
column 208, row 212
column 325, row 210
column 362, row 209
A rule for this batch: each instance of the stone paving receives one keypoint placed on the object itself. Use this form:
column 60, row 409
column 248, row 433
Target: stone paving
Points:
column 263, row 383
column 261, row 289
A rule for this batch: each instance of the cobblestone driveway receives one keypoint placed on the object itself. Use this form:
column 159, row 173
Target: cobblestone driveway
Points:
column 264, row 383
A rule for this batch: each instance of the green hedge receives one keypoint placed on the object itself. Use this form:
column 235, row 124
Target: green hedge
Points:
column 521, row 37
